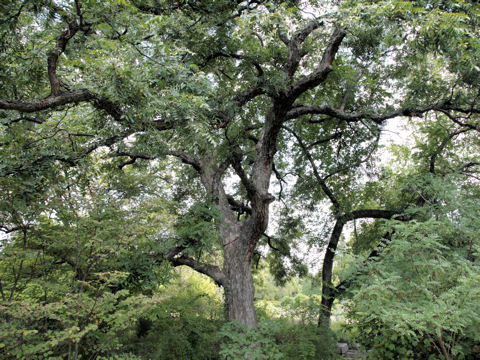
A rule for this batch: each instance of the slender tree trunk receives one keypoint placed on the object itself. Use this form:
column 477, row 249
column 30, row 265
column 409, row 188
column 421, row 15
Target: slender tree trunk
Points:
column 325, row 309
column 445, row 353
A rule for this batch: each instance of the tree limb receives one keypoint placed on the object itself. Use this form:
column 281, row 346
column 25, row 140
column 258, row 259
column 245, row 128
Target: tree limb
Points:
column 301, row 109
column 323, row 185
column 442, row 146
column 295, row 54
column 186, row 159
column 324, row 68
column 212, row 271
column 238, row 206
column 49, row 102
column 328, row 291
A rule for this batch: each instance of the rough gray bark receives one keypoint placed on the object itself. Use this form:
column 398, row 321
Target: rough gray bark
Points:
column 239, row 289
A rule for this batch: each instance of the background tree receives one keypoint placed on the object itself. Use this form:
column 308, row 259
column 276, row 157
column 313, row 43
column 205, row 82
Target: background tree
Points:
column 420, row 291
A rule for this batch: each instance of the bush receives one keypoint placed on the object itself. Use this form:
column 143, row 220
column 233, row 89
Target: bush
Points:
column 419, row 298
column 277, row 339
column 185, row 337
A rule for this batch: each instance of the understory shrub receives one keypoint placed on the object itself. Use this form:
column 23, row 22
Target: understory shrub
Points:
column 277, row 339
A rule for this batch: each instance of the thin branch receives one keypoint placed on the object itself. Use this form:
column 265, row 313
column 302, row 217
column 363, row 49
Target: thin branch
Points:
column 280, row 180
column 24, row 118
column 357, row 163
column 442, row 146
column 269, row 242
column 320, row 180
column 301, row 109
column 335, row 136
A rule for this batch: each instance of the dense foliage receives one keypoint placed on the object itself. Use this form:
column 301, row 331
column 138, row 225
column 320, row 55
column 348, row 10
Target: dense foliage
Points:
column 138, row 137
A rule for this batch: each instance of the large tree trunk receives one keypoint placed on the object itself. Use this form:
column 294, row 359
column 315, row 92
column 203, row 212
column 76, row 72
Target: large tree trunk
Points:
column 239, row 289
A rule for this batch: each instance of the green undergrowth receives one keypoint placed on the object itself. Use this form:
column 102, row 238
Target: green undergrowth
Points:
column 188, row 337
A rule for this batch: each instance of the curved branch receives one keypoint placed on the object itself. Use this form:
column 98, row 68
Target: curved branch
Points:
column 53, row 55
column 324, row 68
column 301, row 109
column 212, row 271
column 269, row 242
column 442, row 146
column 186, row 159
column 320, row 180
column 328, row 291
column 294, row 52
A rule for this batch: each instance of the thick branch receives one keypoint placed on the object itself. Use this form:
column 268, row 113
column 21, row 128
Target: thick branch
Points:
column 328, row 291
column 186, row 159
column 248, row 95
column 246, row 182
column 324, row 68
column 238, row 206
column 295, row 53
column 50, row 102
column 369, row 213
column 53, row 55
column 212, row 271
